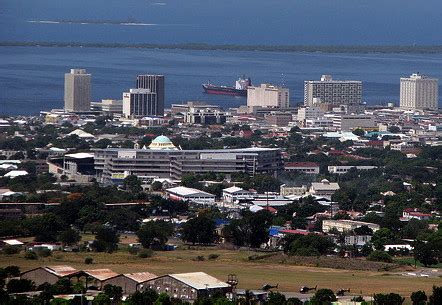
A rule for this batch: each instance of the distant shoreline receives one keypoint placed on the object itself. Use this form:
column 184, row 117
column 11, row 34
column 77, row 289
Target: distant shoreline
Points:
column 392, row 49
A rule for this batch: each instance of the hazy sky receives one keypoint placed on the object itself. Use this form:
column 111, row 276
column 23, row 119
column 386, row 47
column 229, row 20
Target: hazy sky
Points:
column 234, row 21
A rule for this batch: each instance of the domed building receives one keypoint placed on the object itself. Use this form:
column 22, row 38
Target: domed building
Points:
column 163, row 143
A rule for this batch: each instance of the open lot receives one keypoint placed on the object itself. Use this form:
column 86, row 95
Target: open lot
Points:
column 251, row 274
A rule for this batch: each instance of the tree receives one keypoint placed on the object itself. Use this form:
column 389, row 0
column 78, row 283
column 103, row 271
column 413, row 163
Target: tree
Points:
column 419, row 297
column 69, row 237
column 388, row 299
column 322, row 297
column 154, row 234
column 147, row 297
column 156, row 186
column 382, row 237
column 359, row 132
column 106, row 239
column 19, row 285
column 62, row 286
column 12, row 271
column 275, row 298
column 132, row 184
column 425, row 253
column 380, row 256
column 413, row 228
column 101, row 299
column 436, row 297
column 45, row 227
column 163, row 299
column 294, row 301
column 311, row 245
column 200, row 229
column 363, row 230
column 115, row 293
column 251, row 230
column 394, row 129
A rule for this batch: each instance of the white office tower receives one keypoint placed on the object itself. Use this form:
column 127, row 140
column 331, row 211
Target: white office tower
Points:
column 140, row 102
column 419, row 92
column 268, row 96
column 77, row 90
column 335, row 92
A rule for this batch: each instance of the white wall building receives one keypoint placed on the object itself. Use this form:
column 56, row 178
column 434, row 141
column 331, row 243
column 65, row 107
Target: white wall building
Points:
column 348, row 122
column 182, row 193
column 419, row 92
column 268, row 96
column 344, row 225
column 341, row 169
column 234, row 193
column 332, row 91
column 308, row 113
column 140, row 102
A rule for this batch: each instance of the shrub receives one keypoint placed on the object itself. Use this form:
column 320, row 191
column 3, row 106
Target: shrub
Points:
column 11, row 250
column 133, row 250
column 200, row 258
column 380, row 256
column 88, row 260
column 31, row 255
column 213, row 256
column 44, row 252
column 145, row 253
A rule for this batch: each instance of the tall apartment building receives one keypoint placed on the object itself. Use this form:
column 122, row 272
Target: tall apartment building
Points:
column 331, row 91
column 154, row 83
column 419, row 92
column 141, row 102
column 77, row 90
column 268, row 96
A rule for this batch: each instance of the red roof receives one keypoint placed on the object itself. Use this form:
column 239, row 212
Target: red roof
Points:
column 301, row 164
column 375, row 143
column 270, row 209
column 295, row 232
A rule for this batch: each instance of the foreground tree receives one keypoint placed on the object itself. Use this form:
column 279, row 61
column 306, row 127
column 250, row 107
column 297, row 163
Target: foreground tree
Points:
column 323, row 297
column 419, row 297
column 388, row 299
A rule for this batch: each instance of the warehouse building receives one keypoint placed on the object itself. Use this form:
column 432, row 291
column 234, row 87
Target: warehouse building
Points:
column 187, row 194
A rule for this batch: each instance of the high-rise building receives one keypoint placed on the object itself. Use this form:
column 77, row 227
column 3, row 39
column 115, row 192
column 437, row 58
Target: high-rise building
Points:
column 77, row 90
column 154, row 83
column 331, row 91
column 141, row 102
column 268, row 96
column 419, row 92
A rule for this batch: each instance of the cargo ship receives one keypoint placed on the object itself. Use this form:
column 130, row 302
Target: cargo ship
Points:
column 240, row 88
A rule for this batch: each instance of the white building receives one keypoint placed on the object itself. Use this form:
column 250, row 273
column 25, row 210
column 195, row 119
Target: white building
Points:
column 308, row 113
column 182, row 193
column 348, row 122
column 268, row 96
column 343, row 169
column 324, row 188
column 332, row 91
column 419, row 92
column 77, row 90
column 141, row 102
column 234, row 193
column 310, row 168
column 108, row 106
column 344, row 225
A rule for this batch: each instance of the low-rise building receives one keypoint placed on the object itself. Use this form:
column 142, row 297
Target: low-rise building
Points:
column 188, row 286
column 285, row 190
column 310, row 168
column 357, row 240
column 324, row 188
column 182, row 193
column 234, row 193
column 281, row 119
column 344, row 225
column 48, row 274
column 411, row 213
column 341, row 169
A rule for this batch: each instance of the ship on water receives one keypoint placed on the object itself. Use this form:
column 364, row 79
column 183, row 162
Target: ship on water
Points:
column 240, row 88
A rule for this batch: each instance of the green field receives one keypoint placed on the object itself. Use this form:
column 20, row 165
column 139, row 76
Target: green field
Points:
column 251, row 274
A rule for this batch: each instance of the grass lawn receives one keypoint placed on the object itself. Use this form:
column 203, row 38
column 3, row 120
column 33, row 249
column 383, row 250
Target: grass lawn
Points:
column 251, row 274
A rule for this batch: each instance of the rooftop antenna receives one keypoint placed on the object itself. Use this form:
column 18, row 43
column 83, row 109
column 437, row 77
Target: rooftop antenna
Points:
column 282, row 80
